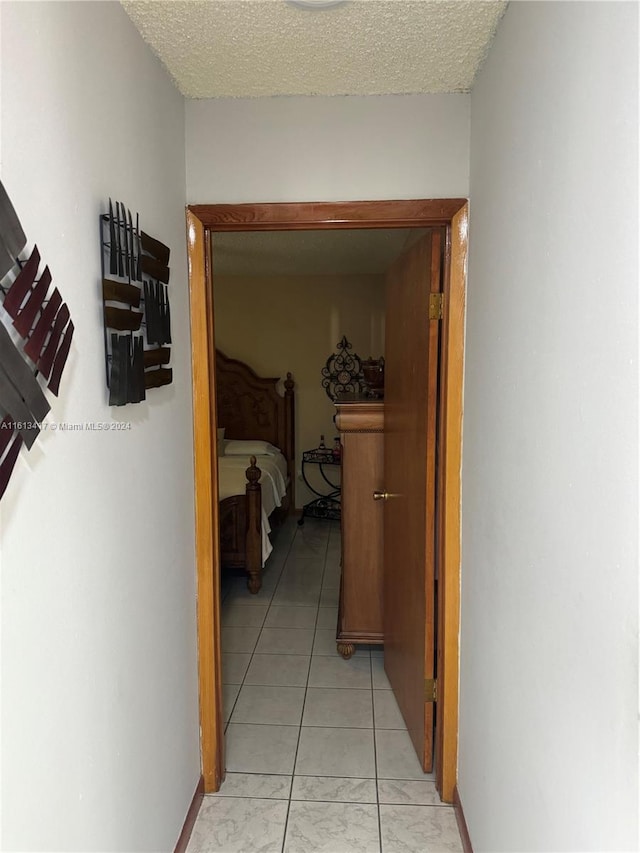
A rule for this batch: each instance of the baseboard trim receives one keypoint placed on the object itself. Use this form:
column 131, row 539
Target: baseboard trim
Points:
column 462, row 823
column 189, row 821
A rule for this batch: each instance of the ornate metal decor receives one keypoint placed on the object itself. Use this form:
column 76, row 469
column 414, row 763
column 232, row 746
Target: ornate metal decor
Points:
column 343, row 371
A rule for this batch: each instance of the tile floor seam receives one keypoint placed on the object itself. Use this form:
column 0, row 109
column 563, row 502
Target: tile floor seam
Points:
column 244, row 677
column 341, row 802
column 331, row 776
column 286, row 820
column 295, row 757
column 375, row 759
column 304, row 702
column 254, row 772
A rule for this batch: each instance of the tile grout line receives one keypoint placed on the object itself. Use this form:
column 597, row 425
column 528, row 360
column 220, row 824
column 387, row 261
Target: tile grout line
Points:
column 266, row 615
column 443, row 806
column 293, row 725
column 318, row 687
column 333, row 776
column 304, row 702
column 244, row 677
column 315, row 632
column 375, row 756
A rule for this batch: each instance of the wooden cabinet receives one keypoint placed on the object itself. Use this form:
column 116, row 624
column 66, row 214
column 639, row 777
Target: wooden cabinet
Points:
column 361, row 423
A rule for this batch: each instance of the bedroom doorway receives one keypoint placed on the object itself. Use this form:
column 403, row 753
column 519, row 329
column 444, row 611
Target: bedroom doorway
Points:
column 202, row 220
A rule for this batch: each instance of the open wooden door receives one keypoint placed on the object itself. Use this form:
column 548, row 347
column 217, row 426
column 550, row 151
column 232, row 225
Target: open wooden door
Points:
column 411, row 399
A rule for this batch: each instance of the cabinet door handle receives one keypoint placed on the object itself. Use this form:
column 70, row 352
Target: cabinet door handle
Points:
column 381, row 496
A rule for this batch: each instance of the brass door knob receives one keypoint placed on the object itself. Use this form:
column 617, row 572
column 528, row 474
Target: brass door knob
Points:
column 381, row 496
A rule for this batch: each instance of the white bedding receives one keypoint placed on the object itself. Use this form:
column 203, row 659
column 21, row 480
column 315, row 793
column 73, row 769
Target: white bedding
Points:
column 232, row 481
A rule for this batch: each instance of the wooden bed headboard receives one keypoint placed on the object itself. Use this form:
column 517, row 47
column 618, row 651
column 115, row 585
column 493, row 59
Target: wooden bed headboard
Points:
column 250, row 407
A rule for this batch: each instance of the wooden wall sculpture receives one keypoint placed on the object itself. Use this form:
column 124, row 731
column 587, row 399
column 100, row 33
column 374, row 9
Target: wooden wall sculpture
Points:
column 35, row 338
column 137, row 319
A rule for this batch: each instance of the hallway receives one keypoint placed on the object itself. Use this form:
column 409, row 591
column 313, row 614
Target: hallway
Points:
column 318, row 757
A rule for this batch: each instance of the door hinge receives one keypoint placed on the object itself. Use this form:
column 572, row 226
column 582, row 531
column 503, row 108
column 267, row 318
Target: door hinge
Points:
column 430, row 689
column 436, row 301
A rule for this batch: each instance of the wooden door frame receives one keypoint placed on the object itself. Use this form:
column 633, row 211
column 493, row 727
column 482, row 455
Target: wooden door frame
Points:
column 202, row 220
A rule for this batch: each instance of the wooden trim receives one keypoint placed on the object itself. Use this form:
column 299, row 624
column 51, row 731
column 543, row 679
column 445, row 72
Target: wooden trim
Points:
column 362, row 637
column 451, row 213
column 359, row 417
column 206, row 507
column 405, row 213
column 462, row 823
column 448, row 509
column 190, row 819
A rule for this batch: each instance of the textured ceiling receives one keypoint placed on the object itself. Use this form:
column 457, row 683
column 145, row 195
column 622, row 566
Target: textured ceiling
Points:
column 294, row 253
column 262, row 48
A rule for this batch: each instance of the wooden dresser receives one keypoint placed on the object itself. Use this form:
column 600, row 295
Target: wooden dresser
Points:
column 360, row 423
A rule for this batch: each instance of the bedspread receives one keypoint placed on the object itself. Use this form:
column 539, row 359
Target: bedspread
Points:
column 232, row 481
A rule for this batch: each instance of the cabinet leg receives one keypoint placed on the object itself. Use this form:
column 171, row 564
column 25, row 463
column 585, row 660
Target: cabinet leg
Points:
column 254, row 582
column 346, row 650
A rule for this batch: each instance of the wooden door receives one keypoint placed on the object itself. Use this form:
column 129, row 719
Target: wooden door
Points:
column 411, row 394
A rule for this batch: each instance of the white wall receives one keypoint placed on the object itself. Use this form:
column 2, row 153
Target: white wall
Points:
column 99, row 686
column 327, row 149
column 548, row 725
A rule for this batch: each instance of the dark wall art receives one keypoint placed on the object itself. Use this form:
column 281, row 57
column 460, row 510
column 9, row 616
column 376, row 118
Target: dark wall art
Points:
column 343, row 371
column 346, row 373
column 35, row 337
column 135, row 296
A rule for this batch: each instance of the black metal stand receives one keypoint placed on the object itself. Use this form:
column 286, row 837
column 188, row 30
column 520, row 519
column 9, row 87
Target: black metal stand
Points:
column 327, row 504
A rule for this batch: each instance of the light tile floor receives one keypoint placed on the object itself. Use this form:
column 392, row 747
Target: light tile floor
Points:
column 318, row 756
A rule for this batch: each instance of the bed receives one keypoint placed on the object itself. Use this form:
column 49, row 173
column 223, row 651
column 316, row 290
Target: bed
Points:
column 255, row 463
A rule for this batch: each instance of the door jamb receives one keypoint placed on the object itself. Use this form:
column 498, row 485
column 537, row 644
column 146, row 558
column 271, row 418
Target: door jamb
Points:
column 201, row 221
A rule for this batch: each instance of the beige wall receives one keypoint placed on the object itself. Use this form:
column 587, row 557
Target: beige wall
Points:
column 294, row 323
